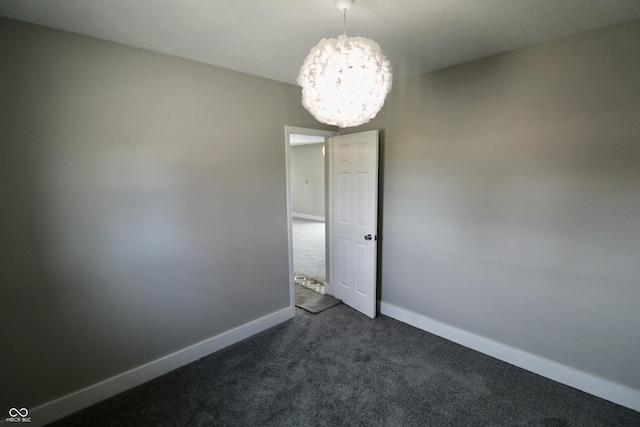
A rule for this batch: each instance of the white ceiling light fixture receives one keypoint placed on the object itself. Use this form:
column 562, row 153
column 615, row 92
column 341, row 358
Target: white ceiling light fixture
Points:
column 345, row 80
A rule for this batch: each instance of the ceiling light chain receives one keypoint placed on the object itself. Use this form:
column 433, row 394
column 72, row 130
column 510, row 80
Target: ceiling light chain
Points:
column 344, row 22
column 345, row 80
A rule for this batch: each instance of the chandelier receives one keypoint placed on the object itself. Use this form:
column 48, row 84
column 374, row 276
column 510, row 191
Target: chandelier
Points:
column 346, row 79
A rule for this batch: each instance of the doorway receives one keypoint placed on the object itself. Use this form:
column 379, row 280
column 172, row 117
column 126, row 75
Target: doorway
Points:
column 350, row 214
column 307, row 206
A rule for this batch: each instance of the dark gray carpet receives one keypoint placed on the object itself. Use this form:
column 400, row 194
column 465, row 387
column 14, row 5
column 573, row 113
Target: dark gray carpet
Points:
column 313, row 301
column 340, row 368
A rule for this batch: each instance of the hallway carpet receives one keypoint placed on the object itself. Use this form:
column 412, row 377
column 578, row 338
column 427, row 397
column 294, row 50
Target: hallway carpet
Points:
column 340, row 368
column 309, row 249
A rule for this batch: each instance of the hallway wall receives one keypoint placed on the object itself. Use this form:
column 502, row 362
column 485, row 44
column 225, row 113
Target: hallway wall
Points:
column 307, row 180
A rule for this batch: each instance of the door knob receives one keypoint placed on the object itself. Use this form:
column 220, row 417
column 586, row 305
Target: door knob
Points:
column 368, row 237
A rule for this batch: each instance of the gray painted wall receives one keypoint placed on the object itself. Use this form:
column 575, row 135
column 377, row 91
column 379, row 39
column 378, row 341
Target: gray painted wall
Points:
column 511, row 199
column 306, row 164
column 143, row 207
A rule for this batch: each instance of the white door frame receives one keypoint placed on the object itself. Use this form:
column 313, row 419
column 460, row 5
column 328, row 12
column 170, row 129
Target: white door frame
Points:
column 288, row 130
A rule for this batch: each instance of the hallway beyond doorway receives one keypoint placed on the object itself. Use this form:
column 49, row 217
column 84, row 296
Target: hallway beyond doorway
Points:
column 309, row 250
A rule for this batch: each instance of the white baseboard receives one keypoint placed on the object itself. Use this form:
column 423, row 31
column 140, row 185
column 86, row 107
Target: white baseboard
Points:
column 305, row 216
column 605, row 389
column 81, row 399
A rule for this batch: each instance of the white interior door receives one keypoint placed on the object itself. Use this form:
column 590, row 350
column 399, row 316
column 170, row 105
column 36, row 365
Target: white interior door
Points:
column 354, row 199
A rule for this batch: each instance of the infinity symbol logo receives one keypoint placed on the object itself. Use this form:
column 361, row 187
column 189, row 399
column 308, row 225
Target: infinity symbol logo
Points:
column 23, row 412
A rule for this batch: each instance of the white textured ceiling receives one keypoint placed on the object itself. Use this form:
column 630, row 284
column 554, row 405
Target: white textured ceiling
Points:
column 271, row 38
